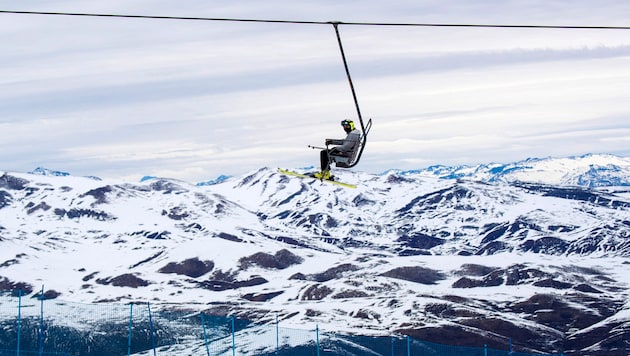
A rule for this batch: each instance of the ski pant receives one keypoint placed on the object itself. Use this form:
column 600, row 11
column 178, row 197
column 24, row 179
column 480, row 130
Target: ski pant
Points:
column 324, row 159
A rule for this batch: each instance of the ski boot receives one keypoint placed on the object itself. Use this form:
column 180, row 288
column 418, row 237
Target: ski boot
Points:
column 324, row 175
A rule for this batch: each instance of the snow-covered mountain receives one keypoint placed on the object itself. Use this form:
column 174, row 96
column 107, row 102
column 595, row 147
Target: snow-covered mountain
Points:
column 590, row 170
column 454, row 261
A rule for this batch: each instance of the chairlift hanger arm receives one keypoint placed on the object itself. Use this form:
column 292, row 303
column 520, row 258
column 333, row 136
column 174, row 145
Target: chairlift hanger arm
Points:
column 365, row 128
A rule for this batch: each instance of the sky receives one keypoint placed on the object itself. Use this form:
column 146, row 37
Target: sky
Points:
column 191, row 100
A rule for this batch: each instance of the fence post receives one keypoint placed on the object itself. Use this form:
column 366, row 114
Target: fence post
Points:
column 485, row 349
column 151, row 329
column 41, row 322
column 19, row 321
column 317, row 338
column 392, row 341
column 233, row 341
column 205, row 335
column 408, row 346
column 511, row 353
column 277, row 337
column 130, row 329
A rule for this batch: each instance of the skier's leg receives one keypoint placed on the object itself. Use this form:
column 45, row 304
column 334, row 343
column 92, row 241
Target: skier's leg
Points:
column 324, row 160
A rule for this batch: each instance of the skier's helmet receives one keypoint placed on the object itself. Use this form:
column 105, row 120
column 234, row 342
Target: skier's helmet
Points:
column 348, row 125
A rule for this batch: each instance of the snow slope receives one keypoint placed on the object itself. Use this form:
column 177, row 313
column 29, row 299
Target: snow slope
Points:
column 444, row 260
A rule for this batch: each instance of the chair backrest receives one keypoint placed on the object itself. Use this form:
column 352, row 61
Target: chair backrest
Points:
column 348, row 160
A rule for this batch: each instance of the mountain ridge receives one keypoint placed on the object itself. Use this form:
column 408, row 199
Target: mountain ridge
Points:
column 589, row 170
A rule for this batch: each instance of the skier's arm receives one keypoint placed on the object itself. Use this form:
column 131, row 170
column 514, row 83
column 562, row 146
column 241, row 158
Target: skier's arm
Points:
column 350, row 143
column 332, row 141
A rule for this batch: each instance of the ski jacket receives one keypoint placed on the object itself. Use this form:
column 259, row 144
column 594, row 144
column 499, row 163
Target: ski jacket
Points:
column 349, row 145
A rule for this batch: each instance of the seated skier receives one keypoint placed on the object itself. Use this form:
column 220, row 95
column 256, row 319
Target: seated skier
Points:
column 343, row 153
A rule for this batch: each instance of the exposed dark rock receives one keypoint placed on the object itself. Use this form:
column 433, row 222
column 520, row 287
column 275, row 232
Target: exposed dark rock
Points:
column 455, row 335
column 316, row 292
column 12, row 183
column 521, row 336
column 552, row 283
column 440, row 310
column 492, row 280
column 262, row 297
column 475, row 270
column 492, row 277
column 124, row 280
column 415, row 274
column 99, row 194
column 166, row 187
column 450, row 196
column 230, row 237
column 220, row 275
column 154, row 235
column 493, row 247
column 193, row 227
column 495, row 233
column 299, row 276
column 15, row 287
column 367, row 314
column 546, row 245
column 395, row 178
column 281, row 260
column 466, row 282
column 317, row 221
column 585, row 246
column 350, row 294
column 333, row 273
column 455, row 299
column 612, row 339
column 552, row 311
column 11, row 262
column 220, row 281
column 586, row 288
column 361, row 200
column 49, row 294
column 80, row 213
column 176, row 213
column 420, row 241
column 521, row 274
column 451, row 311
column 5, row 199
column 150, row 258
column 191, row 267
column 413, row 252
column 311, row 312
column 31, row 207
column 290, row 241
column 89, row 276
column 562, row 228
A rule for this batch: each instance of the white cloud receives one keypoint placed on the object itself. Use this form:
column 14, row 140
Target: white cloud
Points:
column 122, row 97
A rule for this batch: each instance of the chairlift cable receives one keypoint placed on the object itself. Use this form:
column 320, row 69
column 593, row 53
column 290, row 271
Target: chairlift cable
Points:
column 302, row 22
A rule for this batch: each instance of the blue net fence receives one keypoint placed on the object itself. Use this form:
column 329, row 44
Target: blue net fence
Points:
column 39, row 326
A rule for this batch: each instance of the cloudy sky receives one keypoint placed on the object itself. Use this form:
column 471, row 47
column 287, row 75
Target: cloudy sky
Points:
column 124, row 98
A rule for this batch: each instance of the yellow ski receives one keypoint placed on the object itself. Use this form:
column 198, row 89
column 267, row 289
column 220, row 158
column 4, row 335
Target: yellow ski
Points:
column 300, row 175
